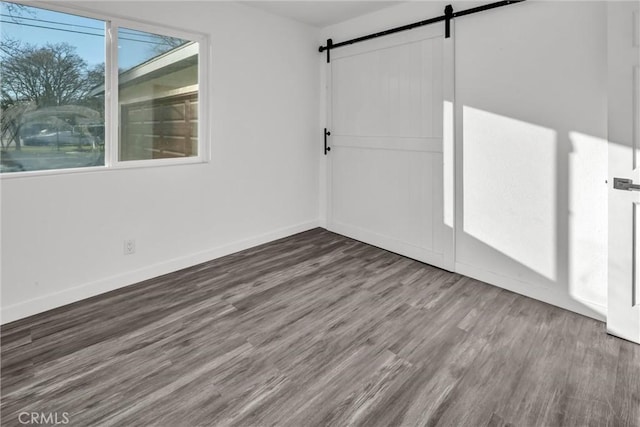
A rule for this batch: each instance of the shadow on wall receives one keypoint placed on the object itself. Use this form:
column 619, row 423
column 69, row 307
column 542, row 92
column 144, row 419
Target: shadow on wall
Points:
column 535, row 205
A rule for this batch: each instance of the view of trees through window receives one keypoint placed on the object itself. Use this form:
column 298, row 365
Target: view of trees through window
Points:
column 52, row 79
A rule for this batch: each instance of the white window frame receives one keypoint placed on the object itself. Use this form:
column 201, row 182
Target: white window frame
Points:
column 112, row 109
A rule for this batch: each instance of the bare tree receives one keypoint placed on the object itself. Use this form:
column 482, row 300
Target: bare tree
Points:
column 11, row 122
column 164, row 44
column 15, row 11
column 49, row 75
column 34, row 77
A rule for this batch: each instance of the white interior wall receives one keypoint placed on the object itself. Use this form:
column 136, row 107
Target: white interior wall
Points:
column 531, row 124
column 62, row 235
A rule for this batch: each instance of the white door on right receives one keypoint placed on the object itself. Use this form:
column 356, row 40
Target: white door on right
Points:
column 623, row 317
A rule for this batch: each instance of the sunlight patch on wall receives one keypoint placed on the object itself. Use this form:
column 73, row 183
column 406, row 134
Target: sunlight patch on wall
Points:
column 448, row 159
column 588, row 218
column 509, row 179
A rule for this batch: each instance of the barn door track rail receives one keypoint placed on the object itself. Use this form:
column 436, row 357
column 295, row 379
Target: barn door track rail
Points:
column 449, row 14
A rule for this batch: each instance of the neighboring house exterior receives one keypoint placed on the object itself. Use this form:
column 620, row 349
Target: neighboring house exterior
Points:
column 158, row 106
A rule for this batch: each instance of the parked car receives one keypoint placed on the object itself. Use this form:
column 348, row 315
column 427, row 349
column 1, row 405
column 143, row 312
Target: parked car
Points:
column 63, row 137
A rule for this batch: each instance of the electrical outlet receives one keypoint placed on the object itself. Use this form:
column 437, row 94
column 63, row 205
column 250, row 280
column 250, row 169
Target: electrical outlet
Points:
column 129, row 247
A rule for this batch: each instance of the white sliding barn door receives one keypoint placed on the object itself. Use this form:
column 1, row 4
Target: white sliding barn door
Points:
column 623, row 318
column 390, row 173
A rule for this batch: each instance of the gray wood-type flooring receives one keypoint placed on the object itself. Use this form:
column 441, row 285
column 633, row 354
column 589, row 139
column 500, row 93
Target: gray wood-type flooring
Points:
column 317, row 330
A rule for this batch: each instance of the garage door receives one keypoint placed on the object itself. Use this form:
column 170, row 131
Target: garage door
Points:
column 160, row 128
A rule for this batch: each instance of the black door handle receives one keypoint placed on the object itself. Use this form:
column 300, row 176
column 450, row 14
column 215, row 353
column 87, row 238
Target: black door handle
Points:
column 326, row 148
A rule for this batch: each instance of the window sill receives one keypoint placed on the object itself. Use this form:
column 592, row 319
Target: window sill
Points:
column 133, row 164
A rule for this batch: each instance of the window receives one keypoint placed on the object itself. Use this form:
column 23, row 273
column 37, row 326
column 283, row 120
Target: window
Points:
column 158, row 96
column 58, row 111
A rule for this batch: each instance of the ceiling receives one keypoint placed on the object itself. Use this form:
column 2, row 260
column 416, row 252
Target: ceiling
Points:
column 320, row 13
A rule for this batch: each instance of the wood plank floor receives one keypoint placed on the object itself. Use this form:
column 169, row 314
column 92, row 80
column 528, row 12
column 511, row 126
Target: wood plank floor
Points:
column 313, row 330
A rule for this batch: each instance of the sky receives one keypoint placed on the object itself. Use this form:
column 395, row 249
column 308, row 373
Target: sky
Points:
column 40, row 26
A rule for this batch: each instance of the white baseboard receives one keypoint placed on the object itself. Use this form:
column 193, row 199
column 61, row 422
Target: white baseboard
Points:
column 542, row 293
column 68, row 296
